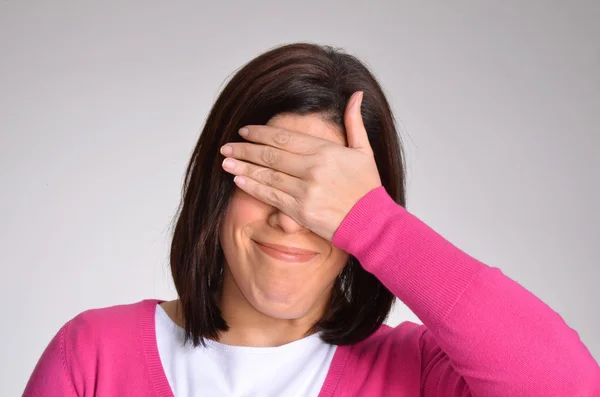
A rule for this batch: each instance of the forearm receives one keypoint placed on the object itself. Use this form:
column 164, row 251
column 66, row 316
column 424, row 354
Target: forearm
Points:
column 502, row 339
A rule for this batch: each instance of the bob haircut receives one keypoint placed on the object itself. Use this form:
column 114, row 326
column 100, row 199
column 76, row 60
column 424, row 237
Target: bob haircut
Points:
column 300, row 78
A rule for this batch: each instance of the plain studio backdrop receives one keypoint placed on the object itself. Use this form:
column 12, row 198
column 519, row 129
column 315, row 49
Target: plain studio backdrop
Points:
column 101, row 104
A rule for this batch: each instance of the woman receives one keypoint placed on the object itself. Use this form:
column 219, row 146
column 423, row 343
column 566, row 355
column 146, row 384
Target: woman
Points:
column 286, row 272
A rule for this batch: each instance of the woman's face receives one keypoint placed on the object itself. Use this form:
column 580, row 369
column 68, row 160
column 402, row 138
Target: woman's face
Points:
column 282, row 288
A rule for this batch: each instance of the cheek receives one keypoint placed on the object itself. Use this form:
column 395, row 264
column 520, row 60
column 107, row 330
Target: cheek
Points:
column 243, row 211
column 338, row 259
column 243, row 214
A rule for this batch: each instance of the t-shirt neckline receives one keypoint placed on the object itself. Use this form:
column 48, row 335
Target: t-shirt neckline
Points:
column 158, row 379
column 288, row 348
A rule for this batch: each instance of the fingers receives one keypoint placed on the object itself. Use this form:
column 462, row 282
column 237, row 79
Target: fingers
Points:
column 267, row 156
column 290, row 141
column 274, row 197
column 355, row 129
column 265, row 176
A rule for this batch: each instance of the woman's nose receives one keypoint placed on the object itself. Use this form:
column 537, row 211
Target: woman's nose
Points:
column 285, row 222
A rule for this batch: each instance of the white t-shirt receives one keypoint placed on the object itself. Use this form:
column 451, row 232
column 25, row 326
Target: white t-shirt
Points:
column 297, row 369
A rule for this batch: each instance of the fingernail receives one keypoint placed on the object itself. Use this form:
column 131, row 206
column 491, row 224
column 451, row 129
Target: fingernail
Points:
column 239, row 180
column 228, row 163
column 244, row 132
column 226, row 150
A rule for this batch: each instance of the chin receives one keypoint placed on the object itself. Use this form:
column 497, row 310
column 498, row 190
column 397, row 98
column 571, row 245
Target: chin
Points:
column 282, row 308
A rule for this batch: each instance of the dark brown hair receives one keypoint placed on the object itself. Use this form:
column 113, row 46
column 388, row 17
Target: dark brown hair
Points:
column 298, row 78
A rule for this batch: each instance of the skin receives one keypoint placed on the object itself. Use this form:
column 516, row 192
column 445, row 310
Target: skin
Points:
column 297, row 179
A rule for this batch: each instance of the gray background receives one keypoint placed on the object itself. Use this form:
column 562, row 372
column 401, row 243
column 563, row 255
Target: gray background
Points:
column 101, row 104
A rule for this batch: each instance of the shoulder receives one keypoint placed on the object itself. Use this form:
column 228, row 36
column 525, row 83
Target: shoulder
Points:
column 109, row 326
column 403, row 335
column 105, row 316
column 412, row 342
column 96, row 341
column 391, row 356
column 403, row 341
column 112, row 317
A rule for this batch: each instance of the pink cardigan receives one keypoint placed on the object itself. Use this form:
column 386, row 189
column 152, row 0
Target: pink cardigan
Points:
column 483, row 334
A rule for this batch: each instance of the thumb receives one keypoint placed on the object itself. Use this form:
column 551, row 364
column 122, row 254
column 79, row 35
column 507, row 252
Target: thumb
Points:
column 355, row 129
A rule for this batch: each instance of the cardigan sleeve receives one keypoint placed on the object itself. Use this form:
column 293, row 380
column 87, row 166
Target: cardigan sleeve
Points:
column 51, row 377
column 486, row 334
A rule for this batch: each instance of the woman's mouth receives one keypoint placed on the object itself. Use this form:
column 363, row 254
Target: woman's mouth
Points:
column 286, row 254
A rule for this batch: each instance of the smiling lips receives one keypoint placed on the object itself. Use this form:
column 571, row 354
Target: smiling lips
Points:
column 286, row 254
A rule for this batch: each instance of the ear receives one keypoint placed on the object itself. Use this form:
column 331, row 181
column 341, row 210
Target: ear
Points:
column 355, row 129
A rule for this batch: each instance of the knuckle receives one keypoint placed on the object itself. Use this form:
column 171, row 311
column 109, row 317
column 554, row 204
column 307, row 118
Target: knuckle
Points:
column 269, row 156
column 255, row 173
column 269, row 177
column 313, row 172
column 282, row 138
column 309, row 204
column 241, row 152
column 311, row 195
column 274, row 197
column 248, row 170
column 273, row 177
column 268, row 195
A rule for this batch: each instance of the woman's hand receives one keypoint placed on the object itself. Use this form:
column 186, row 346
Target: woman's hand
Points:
column 314, row 181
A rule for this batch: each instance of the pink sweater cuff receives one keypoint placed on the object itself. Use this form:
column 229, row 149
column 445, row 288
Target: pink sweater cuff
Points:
column 368, row 213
